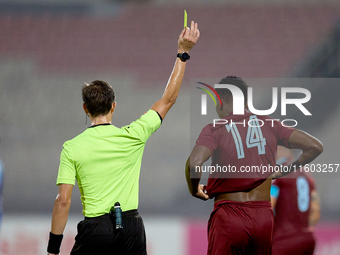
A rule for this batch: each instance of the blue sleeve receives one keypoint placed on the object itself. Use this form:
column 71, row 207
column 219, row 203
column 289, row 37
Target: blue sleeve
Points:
column 275, row 191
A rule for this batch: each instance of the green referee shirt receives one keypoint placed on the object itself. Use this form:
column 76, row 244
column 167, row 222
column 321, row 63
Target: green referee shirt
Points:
column 106, row 162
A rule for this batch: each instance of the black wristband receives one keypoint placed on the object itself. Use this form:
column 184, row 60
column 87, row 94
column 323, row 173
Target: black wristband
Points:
column 54, row 243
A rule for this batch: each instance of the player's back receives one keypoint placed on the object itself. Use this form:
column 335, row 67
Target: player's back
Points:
column 293, row 204
column 245, row 147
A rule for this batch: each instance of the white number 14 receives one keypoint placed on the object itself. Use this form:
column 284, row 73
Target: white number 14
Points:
column 254, row 137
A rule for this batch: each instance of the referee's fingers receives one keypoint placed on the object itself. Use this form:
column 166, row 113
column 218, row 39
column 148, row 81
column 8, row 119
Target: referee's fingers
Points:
column 197, row 35
column 182, row 33
column 192, row 28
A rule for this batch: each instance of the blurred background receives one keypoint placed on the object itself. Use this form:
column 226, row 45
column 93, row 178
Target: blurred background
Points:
column 49, row 48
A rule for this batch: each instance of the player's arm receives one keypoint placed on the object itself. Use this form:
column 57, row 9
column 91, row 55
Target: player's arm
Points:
column 310, row 146
column 186, row 41
column 314, row 213
column 274, row 201
column 59, row 217
column 198, row 156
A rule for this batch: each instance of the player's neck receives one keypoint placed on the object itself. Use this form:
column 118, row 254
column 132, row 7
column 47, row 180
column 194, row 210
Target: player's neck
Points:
column 227, row 108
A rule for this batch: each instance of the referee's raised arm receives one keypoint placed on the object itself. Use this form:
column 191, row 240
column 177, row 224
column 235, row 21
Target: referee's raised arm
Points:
column 186, row 41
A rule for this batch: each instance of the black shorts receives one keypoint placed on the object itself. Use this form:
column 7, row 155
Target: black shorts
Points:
column 99, row 236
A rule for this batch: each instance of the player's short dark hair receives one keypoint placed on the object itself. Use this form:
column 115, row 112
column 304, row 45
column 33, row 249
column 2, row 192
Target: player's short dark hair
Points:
column 98, row 97
column 236, row 81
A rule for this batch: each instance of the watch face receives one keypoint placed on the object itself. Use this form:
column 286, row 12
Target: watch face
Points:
column 185, row 56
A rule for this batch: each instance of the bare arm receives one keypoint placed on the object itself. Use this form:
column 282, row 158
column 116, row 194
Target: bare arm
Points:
column 198, row 156
column 314, row 213
column 186, row 41
column 274, row 201
column 310, row 146
column 61, row 209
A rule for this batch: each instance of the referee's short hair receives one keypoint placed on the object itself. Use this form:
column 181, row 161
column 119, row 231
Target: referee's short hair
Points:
column 236, row 81
column 98, row 97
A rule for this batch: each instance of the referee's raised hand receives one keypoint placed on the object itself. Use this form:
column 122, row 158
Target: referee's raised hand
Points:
column 188, row 38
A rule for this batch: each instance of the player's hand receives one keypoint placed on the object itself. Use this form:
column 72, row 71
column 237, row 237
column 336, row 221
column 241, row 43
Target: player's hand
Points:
column 188, row 38
column 201, row 193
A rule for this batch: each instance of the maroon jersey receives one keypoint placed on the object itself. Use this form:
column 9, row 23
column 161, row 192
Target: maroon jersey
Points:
column 244, row 148
column 293, row 204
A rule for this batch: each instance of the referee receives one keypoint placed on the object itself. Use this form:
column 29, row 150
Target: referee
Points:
column 105, row 161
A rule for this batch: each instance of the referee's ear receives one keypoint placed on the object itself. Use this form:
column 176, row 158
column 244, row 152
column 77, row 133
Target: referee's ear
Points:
column 85, row 109
column 113, row 107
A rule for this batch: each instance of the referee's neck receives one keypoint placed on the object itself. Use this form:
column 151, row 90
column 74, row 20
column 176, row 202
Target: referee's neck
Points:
column 106, row 119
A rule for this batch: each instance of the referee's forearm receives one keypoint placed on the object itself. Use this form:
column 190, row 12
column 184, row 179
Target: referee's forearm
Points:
column 59, row 217
column 174, row 83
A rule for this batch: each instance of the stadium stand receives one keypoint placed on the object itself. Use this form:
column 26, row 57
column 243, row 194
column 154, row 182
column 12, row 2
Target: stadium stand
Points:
column 257, row 41
column 46, row 55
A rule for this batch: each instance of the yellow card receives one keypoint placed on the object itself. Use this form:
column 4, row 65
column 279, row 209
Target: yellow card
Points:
column 185, row 19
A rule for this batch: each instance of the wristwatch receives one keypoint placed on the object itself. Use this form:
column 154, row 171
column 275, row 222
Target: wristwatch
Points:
column 183, row 56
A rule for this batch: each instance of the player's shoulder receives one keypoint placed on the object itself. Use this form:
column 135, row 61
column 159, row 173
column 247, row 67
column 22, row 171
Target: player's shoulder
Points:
column 211, row 127
column 207, row 129
column 273, row 125
column 267, row 119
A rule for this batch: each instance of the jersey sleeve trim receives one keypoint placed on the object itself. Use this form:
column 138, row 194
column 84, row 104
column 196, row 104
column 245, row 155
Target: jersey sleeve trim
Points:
column 160, row 117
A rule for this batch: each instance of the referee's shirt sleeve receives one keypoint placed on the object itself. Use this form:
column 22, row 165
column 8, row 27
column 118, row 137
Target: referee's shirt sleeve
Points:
column 67, row 170
column 145, row 125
